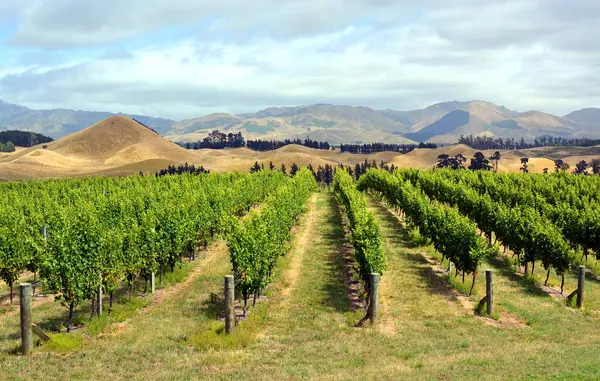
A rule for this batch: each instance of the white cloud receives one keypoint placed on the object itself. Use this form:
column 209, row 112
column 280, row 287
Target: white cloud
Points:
column 521, row 53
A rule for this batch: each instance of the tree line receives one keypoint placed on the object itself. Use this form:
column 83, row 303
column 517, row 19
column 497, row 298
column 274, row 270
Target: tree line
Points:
column 181, row 169
column 11, row 138
column 217, row 140
column 220, row 140
column 489, row 142
column 480, row 163
column 381, row 147
column 270, row 145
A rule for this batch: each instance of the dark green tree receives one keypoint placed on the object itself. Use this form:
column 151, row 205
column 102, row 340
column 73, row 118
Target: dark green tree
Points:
column 560, row 165
column 452, row 162
column 596, row 166
column 581, row 167
column 293, row 169
column 479, row 163
column 525, row 164
column 255, row 168
column 495, row 158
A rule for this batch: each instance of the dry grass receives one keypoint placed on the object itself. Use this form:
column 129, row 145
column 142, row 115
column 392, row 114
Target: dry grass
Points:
column 120, row 146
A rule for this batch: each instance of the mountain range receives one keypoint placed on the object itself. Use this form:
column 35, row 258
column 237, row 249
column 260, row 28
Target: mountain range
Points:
column 441, row 123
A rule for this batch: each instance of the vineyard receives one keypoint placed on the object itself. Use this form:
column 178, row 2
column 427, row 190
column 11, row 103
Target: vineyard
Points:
column 83, row 235
column 417, row 242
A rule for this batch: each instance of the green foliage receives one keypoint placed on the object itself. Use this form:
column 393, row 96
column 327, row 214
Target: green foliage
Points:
column 256, row 242
column 366, row 238
column 102, row 231
column 7, row 147
column 499, row 208
column 453, row 235
column 23, row 138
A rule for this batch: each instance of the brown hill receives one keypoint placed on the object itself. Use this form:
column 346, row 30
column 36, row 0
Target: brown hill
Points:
column 119, row 146
column 121, row 139
column 115, row 141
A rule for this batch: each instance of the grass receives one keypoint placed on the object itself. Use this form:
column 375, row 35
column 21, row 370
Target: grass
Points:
column 63, row 343
column 122, row 310
column 305, row 329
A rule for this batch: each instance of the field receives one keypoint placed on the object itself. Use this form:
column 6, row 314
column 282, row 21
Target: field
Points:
column 121, row 146
column 308, row 320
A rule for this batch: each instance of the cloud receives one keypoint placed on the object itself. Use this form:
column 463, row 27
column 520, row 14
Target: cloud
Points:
column 239, row 56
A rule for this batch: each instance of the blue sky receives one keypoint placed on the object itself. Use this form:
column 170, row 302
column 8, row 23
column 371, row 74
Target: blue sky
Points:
column 185, row 58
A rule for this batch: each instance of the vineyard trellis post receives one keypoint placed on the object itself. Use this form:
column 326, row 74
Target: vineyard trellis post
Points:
column 99, row 302
column 152, row 282
column 580, row 284
column 373, row 296
column 26, row 319
column 229, row 304
column 489, row 291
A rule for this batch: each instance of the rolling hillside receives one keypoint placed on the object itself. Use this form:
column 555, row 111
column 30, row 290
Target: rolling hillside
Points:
column 441, row 123
column 121, row 146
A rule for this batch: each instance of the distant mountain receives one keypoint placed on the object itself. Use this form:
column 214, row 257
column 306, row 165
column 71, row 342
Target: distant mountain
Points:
column 441, row 123
column 484, row 118
column 587, row 117
column 206, row 123
column 417, row 119
column 60, row 122
column 447, row 124
column 335, row 124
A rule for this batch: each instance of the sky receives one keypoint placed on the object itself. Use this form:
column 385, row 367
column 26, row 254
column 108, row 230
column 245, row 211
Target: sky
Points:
column 185, row 58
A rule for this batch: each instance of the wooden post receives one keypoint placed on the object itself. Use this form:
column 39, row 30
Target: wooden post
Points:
column 580, row 283
column 26, row 319
column 229, row 304
column 373, row 296
column 526, row 268
column 489, row 291
column 44, row 233
column 99, row 302
column 152, row 282
column 449, row 267
column 38, row 331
